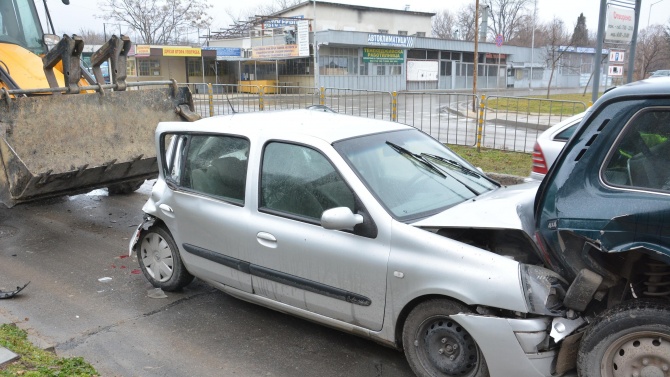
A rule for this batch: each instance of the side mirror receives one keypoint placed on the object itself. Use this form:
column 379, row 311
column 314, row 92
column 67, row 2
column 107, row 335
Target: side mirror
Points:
column 50, row 40
column 340, row 218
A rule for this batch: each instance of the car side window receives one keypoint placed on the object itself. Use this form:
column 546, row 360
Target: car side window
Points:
column 641, row 158
column 216, row 165
column 566, row 134
column 300, row 181
column 173, row 147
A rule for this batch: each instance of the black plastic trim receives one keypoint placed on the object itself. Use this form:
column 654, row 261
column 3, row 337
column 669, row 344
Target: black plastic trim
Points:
column 279, row 277
column 225, row 260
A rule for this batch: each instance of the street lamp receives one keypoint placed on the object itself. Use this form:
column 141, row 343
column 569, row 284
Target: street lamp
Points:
column 649, row 16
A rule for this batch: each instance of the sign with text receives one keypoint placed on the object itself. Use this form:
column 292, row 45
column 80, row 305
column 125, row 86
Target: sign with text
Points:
column 226, row 51
column 620, row 25
column 422, row 70
column 274, row 51
column 390, row 40
column 182, row 51
column 303, row 38
column 142, row 50
column 282, row 22
column 383, row 56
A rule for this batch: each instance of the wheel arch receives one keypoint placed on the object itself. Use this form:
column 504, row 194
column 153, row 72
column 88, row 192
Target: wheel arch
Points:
column 402, row 317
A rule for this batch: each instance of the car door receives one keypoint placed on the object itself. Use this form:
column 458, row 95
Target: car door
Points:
column 338, row 274
column 206, row 208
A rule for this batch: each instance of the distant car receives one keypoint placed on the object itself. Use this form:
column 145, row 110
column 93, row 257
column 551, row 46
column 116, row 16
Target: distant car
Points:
column 368, row 226
column 660, row 73
column 550, row 143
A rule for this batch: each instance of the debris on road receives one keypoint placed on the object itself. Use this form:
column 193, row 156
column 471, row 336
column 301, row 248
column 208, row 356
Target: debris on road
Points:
column 10, row 294
column 156, row 293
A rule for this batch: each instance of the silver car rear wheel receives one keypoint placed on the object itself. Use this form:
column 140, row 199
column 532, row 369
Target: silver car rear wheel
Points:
column 160, row 261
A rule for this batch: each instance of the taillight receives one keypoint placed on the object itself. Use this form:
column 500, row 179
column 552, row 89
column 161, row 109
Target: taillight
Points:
column 539, row 163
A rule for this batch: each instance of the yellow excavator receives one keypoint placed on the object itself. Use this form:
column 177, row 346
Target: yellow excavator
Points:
column 63, row 129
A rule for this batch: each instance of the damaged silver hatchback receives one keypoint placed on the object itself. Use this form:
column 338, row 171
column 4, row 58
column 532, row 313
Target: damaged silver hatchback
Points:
column 363, row 225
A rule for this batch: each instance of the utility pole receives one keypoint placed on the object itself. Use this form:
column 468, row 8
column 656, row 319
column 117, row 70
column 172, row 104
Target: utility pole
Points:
column 476, row 58
column 599, row 50
column 633, row 42
column 532, row 49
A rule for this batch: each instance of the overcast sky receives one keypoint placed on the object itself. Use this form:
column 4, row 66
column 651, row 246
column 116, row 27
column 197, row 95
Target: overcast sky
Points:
column 79, row 14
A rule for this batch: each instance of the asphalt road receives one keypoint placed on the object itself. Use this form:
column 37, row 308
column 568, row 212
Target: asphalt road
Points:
column 64, row 246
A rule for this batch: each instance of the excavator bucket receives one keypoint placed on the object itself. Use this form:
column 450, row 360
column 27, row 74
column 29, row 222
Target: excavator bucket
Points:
column 63, row 144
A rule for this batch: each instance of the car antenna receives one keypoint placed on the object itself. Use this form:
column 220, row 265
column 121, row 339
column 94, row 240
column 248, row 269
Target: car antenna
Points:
column 229, row 103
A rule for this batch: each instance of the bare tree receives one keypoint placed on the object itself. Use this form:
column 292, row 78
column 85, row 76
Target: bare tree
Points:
column 158, row 21
column 558, row 42
column 466, row 22
column 507, row 16
column 653, row 50
column 91, row 37
column 524, row 35
column 444, row 25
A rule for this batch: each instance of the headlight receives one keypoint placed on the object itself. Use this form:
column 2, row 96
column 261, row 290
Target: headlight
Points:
column 543, row 289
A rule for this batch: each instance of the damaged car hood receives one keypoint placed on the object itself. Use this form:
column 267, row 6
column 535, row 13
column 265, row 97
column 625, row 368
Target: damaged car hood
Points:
column 509, row 207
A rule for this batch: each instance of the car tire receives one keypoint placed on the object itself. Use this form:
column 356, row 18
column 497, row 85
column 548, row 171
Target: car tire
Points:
column 632, row 339
column 125, row 188
column 160, row 261
column 436, row 345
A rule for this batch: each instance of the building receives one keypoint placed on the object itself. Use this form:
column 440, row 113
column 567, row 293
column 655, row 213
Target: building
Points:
column 359, row 47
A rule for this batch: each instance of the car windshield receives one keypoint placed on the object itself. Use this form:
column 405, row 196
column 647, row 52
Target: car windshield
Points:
column 411, row 174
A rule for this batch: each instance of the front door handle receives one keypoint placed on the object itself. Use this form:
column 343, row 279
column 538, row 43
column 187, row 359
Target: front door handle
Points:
column 266, row 239
column 166, row 208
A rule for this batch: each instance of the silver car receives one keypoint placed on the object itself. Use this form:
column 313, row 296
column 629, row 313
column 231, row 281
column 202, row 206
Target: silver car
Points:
column 550, row 143
column 367, row 226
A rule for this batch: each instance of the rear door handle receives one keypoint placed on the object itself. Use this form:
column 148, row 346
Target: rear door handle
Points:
column 166, row 208
column 266, row 239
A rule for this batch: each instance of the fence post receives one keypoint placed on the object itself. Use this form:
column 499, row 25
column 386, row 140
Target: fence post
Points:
column 210, row 92
column 394, row 107
column 322, row 96
column 261, row 92
column 480, row 122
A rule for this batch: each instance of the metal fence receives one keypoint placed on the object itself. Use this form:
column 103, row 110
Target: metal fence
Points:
column 508, row 123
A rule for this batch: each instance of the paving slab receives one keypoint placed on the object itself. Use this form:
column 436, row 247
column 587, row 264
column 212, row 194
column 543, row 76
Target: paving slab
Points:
column 7, row 356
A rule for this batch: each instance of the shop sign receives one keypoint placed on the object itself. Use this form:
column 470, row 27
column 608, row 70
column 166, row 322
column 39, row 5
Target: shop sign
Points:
column 142, row 50
column 383, row 56
column 274, row 51
column 390, row 40
column 181, row 51
column 226, row 51
column 303, row 38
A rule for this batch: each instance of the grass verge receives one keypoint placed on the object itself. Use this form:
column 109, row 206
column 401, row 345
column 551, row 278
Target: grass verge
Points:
column 542, row 105
column 496, row 161
column 35, row 362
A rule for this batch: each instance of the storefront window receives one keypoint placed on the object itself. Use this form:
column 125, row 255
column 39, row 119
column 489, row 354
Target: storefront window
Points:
column 131, row 69
column 149, row 67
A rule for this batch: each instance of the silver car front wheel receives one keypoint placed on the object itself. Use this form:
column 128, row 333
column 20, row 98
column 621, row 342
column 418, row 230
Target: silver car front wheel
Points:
column 435, row 345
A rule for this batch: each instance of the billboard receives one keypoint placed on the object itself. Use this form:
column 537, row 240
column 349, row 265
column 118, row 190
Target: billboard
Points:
column 422, row 70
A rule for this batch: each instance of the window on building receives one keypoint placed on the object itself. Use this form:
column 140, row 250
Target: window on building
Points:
column 421, row 34
column 383, row 31
column 402, row 32
column 416, row 54
column 364, row 68
column 395, row 70
column 468, row 57
column 149, row 67
column 295, row 66
column 445, row 68
column 432, row 54
column 131, row 69
column 381, row 70
column 339, row 61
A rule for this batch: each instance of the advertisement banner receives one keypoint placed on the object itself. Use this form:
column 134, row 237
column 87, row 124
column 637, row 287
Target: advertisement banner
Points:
column 617, row 56
column 226, row 51
column 620, row 25
column 303, row 38
column 275, row 51
column 383, row 56
column 181, row 51
column 615, row 70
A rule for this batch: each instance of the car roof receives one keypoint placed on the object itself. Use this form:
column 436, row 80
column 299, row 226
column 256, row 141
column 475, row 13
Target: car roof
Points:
column 329, row 127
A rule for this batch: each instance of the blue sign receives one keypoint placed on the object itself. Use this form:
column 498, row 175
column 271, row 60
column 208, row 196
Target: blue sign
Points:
column 226, row 51
column 282, row 22
column 499, row 40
